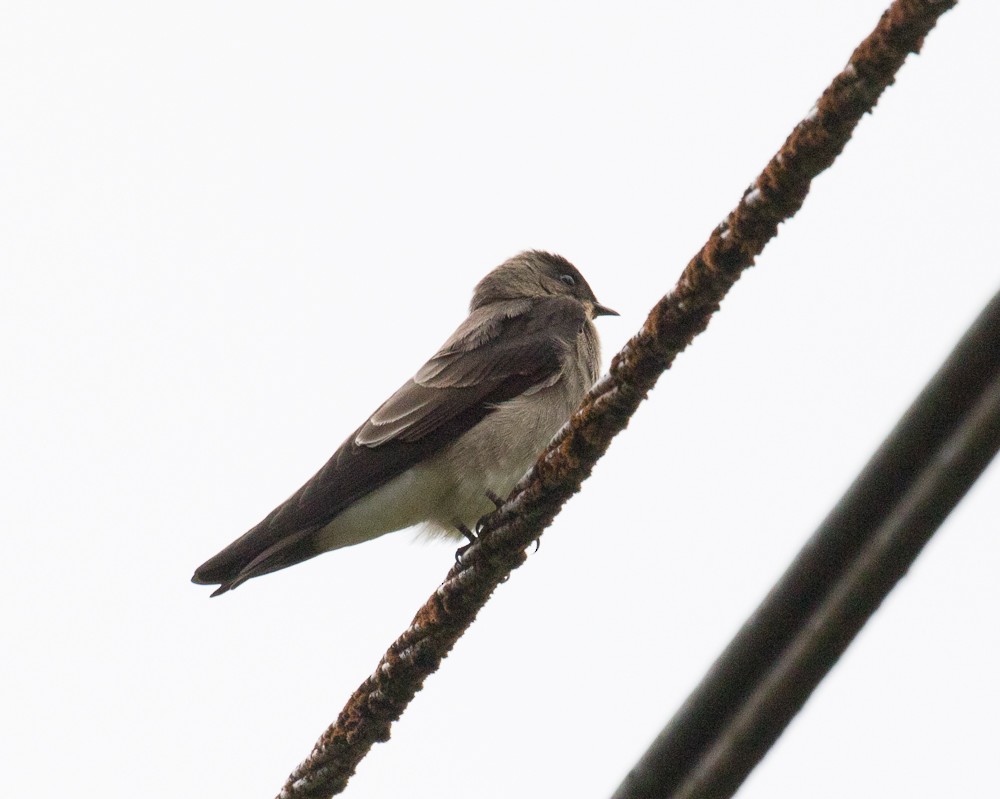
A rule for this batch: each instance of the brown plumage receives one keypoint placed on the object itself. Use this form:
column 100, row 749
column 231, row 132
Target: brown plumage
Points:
column 469, row 423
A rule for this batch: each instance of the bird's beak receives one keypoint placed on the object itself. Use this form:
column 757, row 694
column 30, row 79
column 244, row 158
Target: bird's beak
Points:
column 603, row 310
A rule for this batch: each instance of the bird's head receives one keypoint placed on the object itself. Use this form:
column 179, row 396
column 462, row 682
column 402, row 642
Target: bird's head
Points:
column 535, row 274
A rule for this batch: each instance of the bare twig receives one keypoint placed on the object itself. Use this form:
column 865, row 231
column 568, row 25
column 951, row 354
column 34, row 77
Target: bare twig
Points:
column 671, row 325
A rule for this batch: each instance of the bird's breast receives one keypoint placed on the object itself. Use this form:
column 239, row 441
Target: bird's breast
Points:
column 497, row 452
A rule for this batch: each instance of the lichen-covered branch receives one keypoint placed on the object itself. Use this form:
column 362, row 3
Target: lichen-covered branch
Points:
column 674, row 321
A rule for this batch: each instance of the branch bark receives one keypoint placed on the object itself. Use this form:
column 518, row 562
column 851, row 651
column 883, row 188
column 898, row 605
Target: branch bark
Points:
column 774, row 197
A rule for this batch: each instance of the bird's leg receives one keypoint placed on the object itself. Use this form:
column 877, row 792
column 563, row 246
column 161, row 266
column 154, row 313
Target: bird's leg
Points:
column 492, row 497
column 474, row 536
column 481, row 523
column 464, row 530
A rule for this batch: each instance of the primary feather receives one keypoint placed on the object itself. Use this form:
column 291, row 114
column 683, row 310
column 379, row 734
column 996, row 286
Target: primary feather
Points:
column 427, row 454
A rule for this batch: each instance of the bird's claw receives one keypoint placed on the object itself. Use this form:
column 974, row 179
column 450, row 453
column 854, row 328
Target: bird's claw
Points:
column 460, row 553
column 464, row 530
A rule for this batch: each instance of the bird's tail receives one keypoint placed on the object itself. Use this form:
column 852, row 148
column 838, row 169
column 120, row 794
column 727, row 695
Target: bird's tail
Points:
column 238, row 562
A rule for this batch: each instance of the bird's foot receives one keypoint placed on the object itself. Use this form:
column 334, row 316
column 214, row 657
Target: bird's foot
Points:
column 464, row 530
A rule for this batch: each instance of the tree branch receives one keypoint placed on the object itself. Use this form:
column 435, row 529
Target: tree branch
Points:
column 676, row 319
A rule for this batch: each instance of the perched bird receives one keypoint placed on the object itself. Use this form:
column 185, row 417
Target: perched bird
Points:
column 463, row 430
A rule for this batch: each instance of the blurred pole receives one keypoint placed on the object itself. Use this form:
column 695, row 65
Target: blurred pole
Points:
column 867, row 543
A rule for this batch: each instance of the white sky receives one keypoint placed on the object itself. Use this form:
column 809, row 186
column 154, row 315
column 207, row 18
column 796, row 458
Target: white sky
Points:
column 228, row 232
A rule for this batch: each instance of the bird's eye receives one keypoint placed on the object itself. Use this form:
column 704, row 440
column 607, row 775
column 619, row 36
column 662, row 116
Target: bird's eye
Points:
column 568, row 280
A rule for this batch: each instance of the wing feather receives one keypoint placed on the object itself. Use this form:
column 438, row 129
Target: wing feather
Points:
column 500, row 352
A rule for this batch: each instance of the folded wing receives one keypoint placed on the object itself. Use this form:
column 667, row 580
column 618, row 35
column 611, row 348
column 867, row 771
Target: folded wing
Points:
column 500, row 352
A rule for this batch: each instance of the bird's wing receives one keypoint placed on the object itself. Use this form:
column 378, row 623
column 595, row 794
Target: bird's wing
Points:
column 497, row 354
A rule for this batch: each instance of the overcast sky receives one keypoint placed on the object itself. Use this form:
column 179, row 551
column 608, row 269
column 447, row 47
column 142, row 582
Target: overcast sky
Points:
column 229, row 231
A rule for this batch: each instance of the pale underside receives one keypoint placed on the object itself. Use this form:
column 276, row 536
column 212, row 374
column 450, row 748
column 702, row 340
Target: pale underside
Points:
column 452, row 488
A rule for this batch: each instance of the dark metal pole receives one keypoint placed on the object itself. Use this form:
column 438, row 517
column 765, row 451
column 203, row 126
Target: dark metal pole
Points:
column 867, row 543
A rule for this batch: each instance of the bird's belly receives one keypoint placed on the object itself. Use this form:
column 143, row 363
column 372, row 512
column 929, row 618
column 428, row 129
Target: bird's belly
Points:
column 404, row 501
column 495, row 454
column 452, row 488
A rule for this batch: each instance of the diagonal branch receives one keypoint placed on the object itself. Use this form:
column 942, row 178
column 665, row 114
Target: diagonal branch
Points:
column 674, row 321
